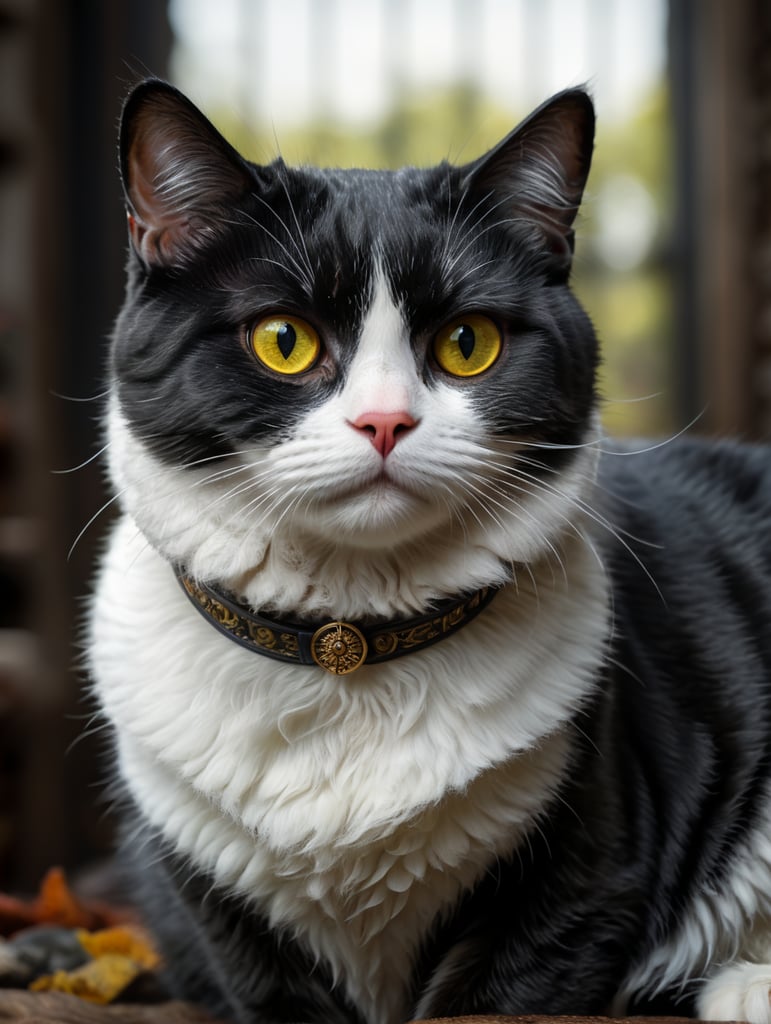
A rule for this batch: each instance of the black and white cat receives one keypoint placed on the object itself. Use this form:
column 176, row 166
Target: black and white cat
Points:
column 422, row 705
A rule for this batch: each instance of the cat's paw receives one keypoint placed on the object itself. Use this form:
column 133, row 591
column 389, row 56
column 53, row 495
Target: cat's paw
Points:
column 740, row 991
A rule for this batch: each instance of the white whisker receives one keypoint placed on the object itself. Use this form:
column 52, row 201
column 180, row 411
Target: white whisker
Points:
column 304, row 254
column 158, row 473
column 72, row 398
column 82, row 465
column 593, row 514
column 94, row 517
column 304, row 274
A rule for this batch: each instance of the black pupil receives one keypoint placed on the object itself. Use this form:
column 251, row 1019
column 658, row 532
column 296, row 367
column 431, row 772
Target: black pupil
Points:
column 286, row 339
column 466, row 341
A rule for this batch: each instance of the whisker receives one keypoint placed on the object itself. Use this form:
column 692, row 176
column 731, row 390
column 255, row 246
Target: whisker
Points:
column 571, row 525
column 82, row 465
column 300, row 234
column 264, row 259
column 598, row 517
column 609, row 400
column 520, row 518
column 597, row 441
column 72, row 398
column 659, row 444
column 471, row 271
column 479, row 233
column 590, row 479
column 591, row 513
column 485, row 198
column 93, row 519
column 149, row 478
column 305, row 276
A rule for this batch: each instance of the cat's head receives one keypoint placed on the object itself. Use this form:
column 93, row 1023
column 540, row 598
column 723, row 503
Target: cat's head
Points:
column 366, row 361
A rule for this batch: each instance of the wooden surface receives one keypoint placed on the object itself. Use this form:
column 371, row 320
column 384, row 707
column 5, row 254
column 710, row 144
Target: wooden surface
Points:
column 50, row 1007
column 536, row 1019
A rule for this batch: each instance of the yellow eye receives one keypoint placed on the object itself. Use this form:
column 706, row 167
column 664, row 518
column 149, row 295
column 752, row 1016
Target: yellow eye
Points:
column 285, row 344
column 468, row 346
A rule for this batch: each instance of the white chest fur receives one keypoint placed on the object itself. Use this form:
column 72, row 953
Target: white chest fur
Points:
column 350, row 810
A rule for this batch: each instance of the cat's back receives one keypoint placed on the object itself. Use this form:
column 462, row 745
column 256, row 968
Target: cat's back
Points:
column 689, row 510
column 686, row 538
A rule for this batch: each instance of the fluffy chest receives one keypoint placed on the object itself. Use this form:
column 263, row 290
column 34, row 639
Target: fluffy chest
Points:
column 350, row 814
column 363, row 907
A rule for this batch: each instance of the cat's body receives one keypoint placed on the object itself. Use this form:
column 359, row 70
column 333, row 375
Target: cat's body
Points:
column 562, row 805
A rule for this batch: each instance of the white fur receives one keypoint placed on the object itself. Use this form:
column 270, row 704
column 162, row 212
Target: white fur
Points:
column 352, row 810
column 341, row 805
column 383, row 375
column 741, row 991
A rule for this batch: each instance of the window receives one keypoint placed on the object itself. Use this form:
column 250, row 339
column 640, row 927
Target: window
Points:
column 388, row 82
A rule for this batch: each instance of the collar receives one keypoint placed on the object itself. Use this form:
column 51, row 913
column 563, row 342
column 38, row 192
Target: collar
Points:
column 338, row 647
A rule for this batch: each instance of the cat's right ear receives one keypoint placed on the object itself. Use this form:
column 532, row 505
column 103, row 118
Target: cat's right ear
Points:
column 179, row 175
column 539, row 171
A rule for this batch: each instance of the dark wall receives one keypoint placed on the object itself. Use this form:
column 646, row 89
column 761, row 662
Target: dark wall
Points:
column 65, row 67
column 720, row 64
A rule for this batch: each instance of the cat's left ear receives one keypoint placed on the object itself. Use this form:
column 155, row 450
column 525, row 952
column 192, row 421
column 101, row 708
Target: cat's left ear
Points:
column 180, row 176
column 539, row 171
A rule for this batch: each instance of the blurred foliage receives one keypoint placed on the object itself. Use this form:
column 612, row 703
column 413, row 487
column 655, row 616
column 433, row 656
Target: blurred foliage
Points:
column 420, row 129
column 631, row 307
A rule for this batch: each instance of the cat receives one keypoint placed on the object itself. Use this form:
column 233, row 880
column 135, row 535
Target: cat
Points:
column 425, row 701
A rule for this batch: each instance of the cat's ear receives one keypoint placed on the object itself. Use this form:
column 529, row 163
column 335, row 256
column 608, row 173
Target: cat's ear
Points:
column 179, row 175
column 539, row 171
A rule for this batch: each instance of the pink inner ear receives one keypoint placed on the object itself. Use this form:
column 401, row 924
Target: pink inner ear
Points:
column 146, row 183
column 542, row 166
column 137, row 230
column 179, row 175
column 161, row 226
column 161, row 245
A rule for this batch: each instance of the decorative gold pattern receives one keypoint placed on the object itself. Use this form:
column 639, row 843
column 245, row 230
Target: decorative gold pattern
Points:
column 260, row 638
column 385, row 643
column 393, row 642
column 339, row 647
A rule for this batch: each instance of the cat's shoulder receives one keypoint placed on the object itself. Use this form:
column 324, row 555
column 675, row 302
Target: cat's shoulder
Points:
column 681, row 520
column 707, row 479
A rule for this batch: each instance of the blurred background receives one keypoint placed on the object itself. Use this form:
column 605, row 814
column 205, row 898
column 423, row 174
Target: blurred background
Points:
column 673, row 258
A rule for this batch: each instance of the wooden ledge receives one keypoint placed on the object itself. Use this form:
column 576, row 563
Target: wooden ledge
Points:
column 56, row 1008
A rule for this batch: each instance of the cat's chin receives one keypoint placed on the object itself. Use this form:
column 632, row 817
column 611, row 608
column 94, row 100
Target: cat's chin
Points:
column 382, row 514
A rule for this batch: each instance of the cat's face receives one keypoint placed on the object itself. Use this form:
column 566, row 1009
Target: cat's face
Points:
column 363, row 356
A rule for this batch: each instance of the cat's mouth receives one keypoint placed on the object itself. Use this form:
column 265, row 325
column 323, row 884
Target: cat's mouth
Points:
column 380, row 509
column 375, row 487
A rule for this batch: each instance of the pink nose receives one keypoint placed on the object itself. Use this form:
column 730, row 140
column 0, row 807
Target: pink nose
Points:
column 384, row 428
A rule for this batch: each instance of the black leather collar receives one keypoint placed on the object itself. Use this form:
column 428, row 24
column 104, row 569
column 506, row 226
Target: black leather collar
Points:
column 338, row 647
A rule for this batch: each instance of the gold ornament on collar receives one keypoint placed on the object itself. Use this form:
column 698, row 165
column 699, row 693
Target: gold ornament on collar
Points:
column 339, row 647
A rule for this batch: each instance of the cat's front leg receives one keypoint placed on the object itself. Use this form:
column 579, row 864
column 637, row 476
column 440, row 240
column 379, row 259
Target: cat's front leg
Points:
column 738, row 991
column 560, row 973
